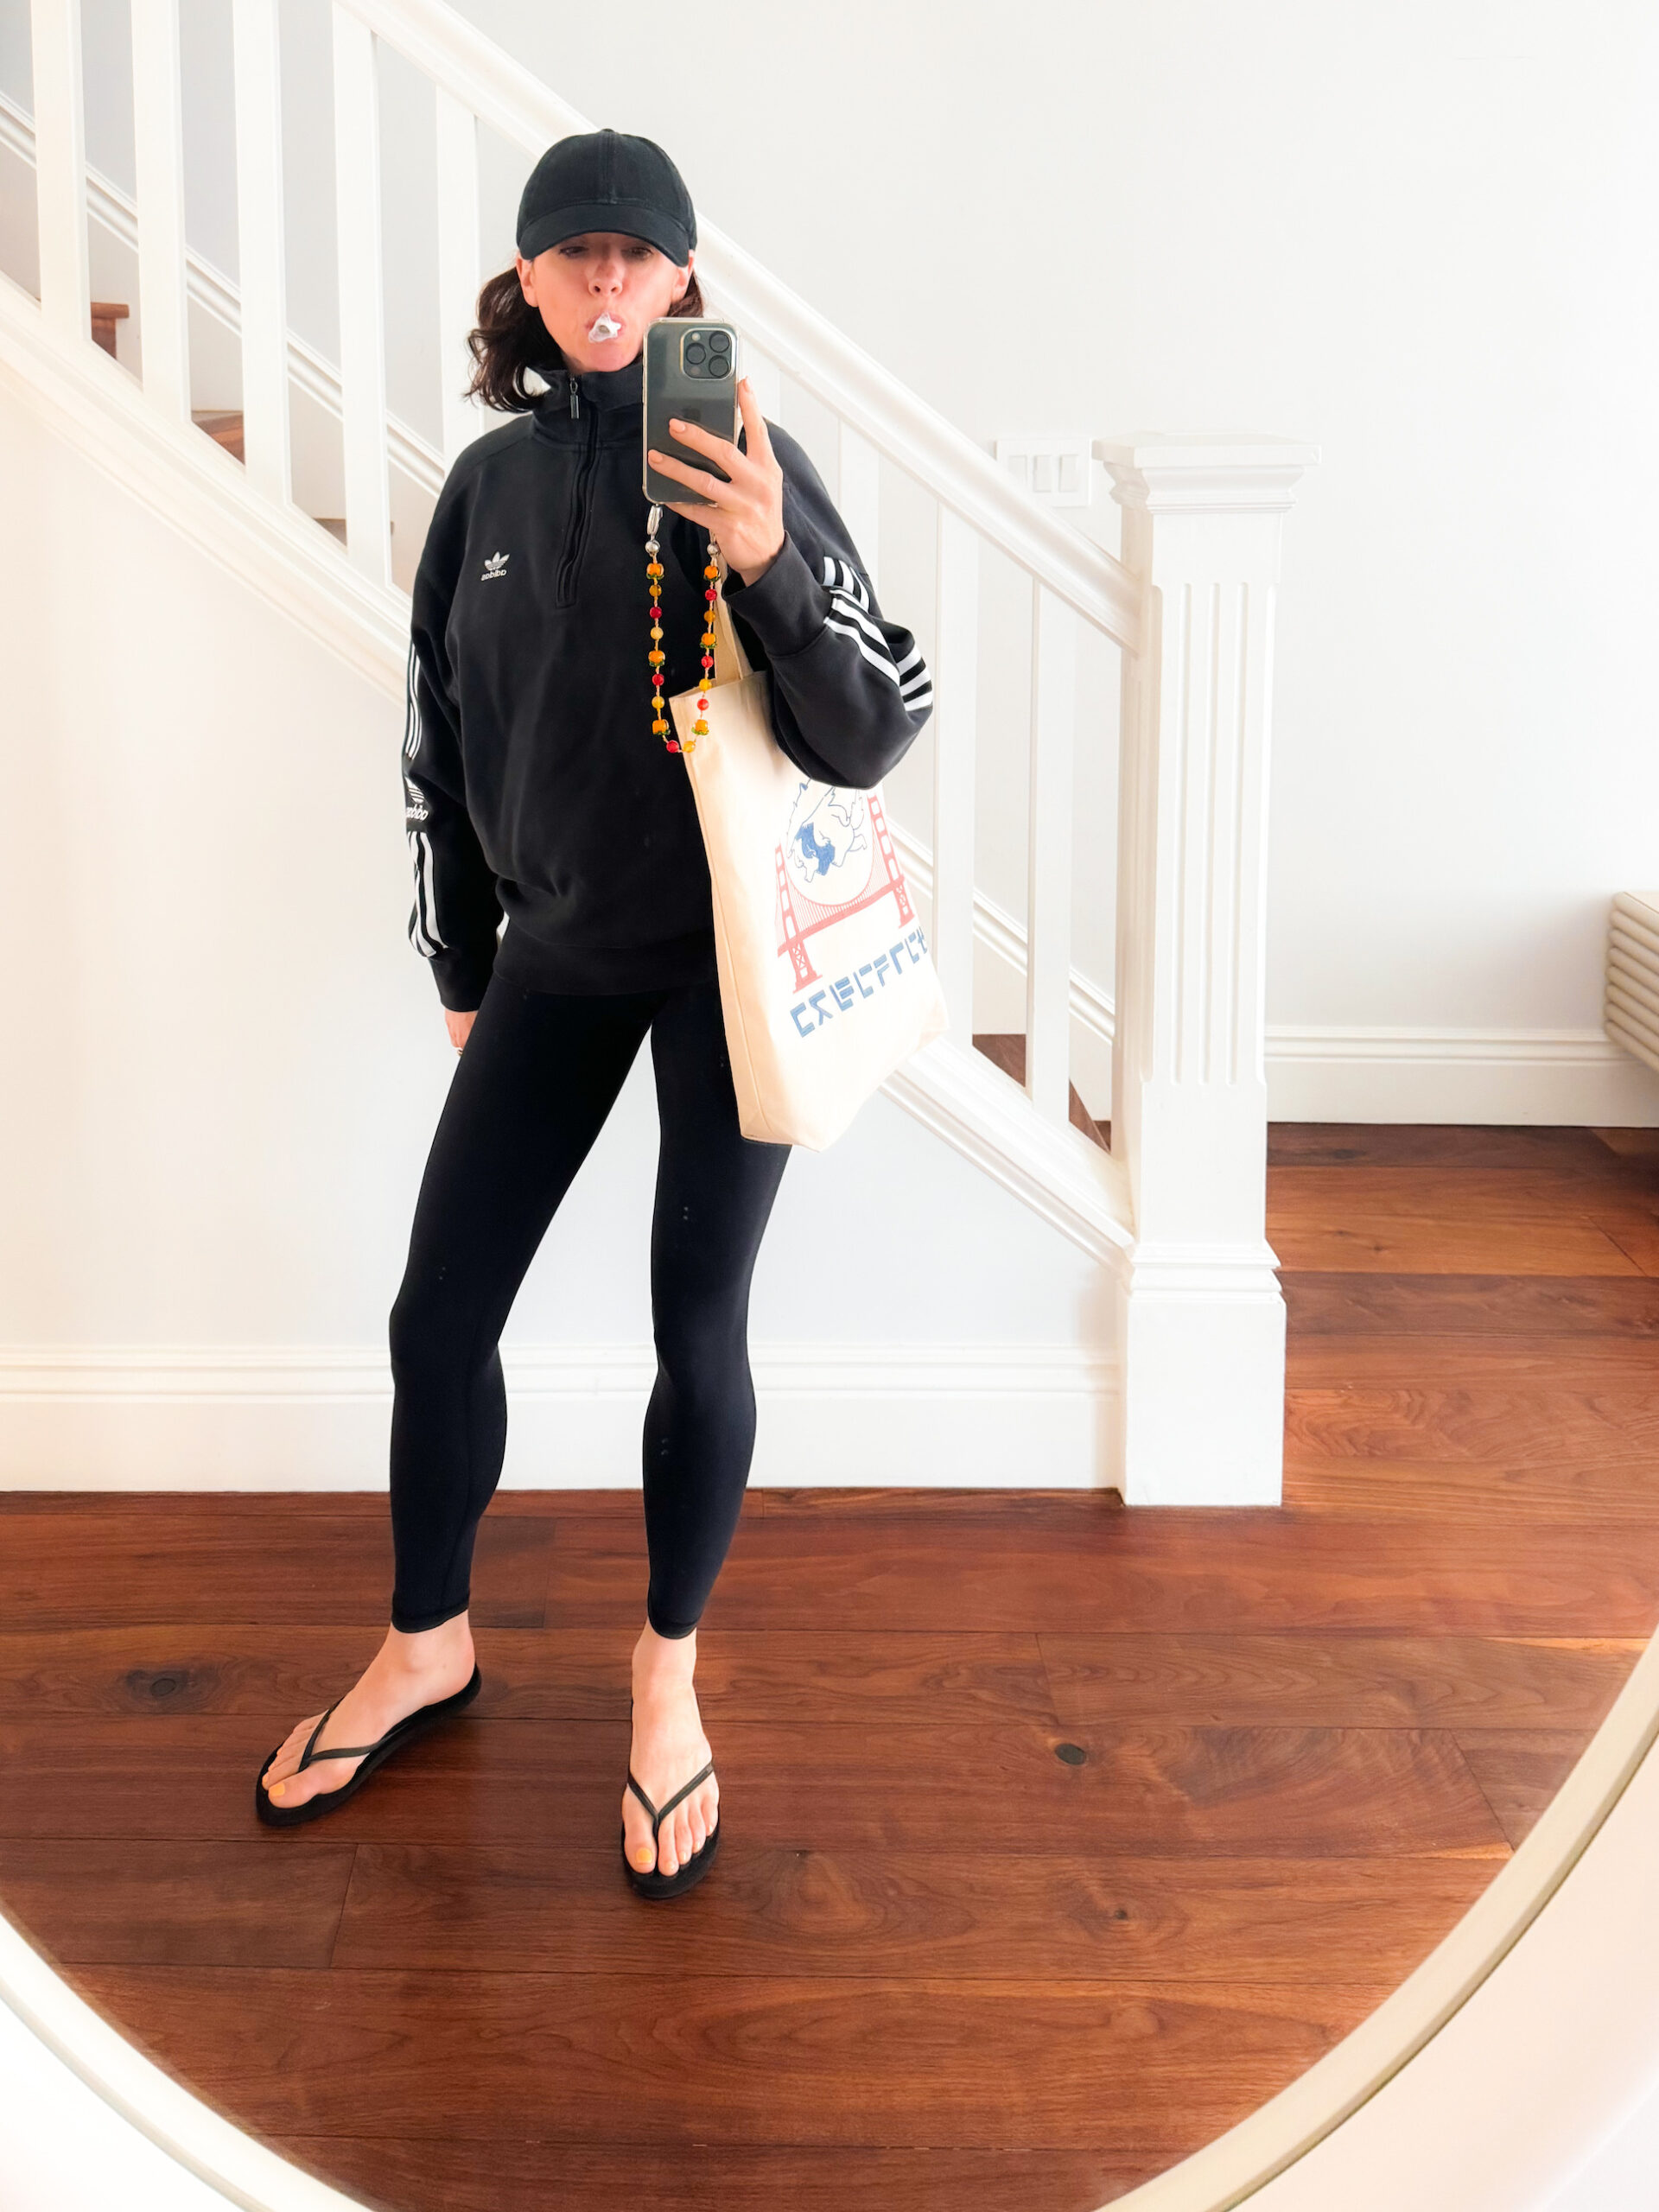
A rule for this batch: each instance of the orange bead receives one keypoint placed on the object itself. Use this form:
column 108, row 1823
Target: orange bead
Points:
column 654, row 567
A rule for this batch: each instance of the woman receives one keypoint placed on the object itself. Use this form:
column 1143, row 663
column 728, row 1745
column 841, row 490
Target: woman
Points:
column 537, row 789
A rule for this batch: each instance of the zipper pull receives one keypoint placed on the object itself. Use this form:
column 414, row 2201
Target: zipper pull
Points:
column 575, row 404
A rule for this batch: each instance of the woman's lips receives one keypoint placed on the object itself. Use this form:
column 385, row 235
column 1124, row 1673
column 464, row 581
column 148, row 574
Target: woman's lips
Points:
column 603, row 327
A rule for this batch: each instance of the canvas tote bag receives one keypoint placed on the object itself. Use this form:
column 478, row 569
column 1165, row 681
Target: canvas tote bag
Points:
column 826, row 984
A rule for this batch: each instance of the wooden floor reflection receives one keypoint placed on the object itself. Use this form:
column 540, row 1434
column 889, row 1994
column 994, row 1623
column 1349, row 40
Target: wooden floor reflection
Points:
column 938, row 1963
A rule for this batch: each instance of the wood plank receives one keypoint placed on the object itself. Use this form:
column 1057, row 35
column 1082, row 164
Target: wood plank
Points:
column 1392, row 1244
column 388, row 2171
column 1201, row 1569
column 1320, row 1792
column 885, row 1914
column 1407, row 1144
column 126, row 1565
column 1614, row 1429
column 1636, row 1234
column 1631, row 1144
column 529, row 1673
column 1057, row 1680
column 122, row 1901
column 1562, row 1495
column 1542, row 1362
column 1247, row 1680
column 1469, row 1307
column 1455, row 1221
column 545, row 2057
column 1521, row 1769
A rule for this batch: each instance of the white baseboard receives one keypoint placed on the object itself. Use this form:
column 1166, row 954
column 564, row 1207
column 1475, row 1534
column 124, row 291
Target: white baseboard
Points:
column 261, row 1417
column 1567, row 1078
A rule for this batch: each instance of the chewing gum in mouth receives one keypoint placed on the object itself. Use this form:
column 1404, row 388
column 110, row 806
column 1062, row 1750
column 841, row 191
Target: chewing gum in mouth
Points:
column 603, row 327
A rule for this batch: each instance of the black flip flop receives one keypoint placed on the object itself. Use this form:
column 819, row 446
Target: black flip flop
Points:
column 372, row 1755
column 654, row 1885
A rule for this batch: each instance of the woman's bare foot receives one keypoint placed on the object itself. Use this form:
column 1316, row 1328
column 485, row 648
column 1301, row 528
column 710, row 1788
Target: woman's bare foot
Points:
column 406, row 1673
column 669, row 1747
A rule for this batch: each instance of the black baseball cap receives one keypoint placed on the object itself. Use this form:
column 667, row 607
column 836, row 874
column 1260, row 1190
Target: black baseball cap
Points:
column 606, row 180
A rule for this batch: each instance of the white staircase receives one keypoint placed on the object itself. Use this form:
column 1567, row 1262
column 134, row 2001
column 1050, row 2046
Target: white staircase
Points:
column 1174, row 1210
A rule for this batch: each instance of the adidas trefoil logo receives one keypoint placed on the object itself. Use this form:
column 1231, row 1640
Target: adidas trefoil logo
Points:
column 495, row 566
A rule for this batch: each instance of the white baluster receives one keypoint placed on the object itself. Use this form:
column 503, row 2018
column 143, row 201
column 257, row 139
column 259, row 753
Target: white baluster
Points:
column 955, row 726
column 460, row 270
column 362, row 319
column 1202, row 1318
column 765, row 380
column 158, row 162
column 260, row 246
column 859, row 498
column 61, row 168
column 1048, row 867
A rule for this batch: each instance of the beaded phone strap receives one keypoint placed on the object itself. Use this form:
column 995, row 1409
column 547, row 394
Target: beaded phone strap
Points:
column 661, row 726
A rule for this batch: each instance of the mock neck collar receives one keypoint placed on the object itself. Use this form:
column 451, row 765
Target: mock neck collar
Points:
column 604, row 389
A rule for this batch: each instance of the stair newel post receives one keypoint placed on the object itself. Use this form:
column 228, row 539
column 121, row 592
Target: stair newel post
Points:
column 1202, row 1317
column 362, row 305
column 61, row 168
column 158, row 165
column 260, row 247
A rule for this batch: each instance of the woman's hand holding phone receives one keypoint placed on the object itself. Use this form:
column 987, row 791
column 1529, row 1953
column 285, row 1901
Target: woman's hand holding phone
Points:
column 745, row 515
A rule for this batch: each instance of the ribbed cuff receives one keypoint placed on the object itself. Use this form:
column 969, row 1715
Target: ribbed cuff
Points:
column 462, row 977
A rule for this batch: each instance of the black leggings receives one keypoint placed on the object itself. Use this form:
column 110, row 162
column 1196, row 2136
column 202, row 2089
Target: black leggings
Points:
column 531, row 1092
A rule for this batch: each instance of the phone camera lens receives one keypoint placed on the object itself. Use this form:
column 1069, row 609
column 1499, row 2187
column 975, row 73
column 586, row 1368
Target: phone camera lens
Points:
column 720, row 366
column 719, row 341
column 694, row 352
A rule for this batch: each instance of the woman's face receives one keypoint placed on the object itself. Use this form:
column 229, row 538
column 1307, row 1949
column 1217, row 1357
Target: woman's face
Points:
column 601, row 272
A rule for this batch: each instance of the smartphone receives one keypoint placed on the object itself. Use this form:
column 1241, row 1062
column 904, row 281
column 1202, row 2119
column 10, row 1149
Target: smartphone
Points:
column 690, row 371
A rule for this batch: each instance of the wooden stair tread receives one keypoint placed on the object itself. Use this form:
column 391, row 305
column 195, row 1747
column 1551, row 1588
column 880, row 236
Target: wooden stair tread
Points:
column 1008, row 1051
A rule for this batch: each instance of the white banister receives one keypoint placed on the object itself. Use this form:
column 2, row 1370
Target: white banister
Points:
column 858, row 496
column 1048, row 877
column 1201, row 1316
column 955, row 730
column 459, row 270
column 260, row 249
column 158, row 164
column 362, row 305
column 60, row 167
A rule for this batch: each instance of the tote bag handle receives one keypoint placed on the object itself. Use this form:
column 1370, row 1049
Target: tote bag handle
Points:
column 731, row 662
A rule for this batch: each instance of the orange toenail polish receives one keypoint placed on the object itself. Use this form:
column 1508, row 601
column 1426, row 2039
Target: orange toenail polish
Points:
column 278, row 1788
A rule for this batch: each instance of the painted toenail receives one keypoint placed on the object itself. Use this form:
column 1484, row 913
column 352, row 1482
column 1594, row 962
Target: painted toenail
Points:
column 278, row 1788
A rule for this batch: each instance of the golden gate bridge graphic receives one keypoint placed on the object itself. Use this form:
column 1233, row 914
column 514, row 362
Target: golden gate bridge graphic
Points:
column 801, row 918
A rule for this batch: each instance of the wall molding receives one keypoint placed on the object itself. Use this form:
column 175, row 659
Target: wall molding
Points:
column 1567, row 1078
column 211, row 1417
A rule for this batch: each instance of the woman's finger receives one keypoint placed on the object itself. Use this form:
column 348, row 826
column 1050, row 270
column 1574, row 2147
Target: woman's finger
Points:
column 754, row 422
column 698, row 478
column 726, row 451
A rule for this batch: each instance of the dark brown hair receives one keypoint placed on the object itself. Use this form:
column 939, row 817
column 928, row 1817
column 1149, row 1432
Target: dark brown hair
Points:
column 511, row 338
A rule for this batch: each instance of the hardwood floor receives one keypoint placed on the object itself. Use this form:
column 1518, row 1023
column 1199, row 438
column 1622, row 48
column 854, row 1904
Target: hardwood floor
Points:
column 944, row 1960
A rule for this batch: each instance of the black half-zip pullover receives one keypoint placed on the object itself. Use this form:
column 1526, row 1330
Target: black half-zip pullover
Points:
column 533, row 783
